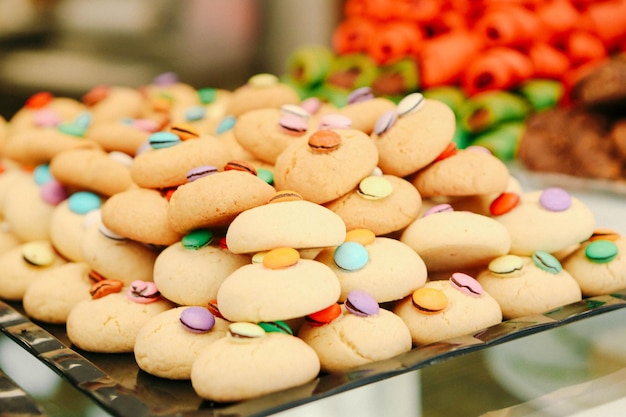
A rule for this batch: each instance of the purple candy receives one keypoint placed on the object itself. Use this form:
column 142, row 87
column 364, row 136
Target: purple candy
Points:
column 311, row 105
column 439, row 208
column 201, row 171
column 360, row 94
column 334, row 121
column 361, row 304
column 53, row 192
column 555, row 199
column 197, row 319
column 385, row 122
column 293, row 123
column 466, row 284
column 165, row 79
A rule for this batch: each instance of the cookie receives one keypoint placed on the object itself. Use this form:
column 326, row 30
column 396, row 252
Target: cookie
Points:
column 91, row 170
column 44, row 109
column 51, row 299
column 366, row 111
column 215, row 200
column 467, row 172
column 483, row 203
column 190, row 272
column 275, row 297
column 115, row 257
column 140, row 214
column 529, row 285
column 599, row 265
column 111, row 103
column 352, row 340
column 166, row 348
column 326, row 165
column 168, row 166
column 456, row 240
column 414, row 135
column 23, row 265
column 110, row 324
column 549, row 220
column 447, row 309
column 125, row 136
column 383, row 204
column 285, row 221
column 385, row 268
column 261, row 91
column 249, row 363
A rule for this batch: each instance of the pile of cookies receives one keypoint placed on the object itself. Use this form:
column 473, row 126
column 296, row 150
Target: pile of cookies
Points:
column 248, row 240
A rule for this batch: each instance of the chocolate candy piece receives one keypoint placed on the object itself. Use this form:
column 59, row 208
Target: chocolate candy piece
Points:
column 324, row 141
column 466, row 284
column 374, row 188
column 245, row 331
column 438, row 208
column 410, row 103
column 226, row 124
column 285, row 195
column 429, row 300
column 38, row 253
column 143, row 292
column 360, row 94
column 82, row 202
column 601, row 251
column 244, row 166
column 160, row 140
column 293, row 124
column 506, row 264
column 197, row 239
column 604, row 234
column 351, row 256
column 503, row 203
column 547, row 262
column 362, row 236
column 555, row 199
column 361, row 304
column 197, row 319
column 385, row 122
column 185, row 131
column 105, row 287
column 214, row 309
column 295, row 110
column 334, row 121
column 280, row 258
column 324, row 316
column 278, row 326
column 201, row 171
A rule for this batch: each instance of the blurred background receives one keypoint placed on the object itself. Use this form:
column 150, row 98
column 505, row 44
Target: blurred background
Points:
column 68, row 46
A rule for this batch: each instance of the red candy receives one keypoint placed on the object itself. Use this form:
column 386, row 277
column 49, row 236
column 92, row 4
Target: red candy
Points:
column 324, row 316
column 504, row 203
column 39, row 100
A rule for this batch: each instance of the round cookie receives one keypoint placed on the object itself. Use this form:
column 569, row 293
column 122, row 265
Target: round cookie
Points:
column 266, row 132
column 43, row 109
column 110, row 324
column 51, row 298
column 23, row 265
column 326, row 165
column 191, row 271
column 168, row 166
column 140, row 214
column 382, row 204
column 549, row 220
column 599, row 265
column 383, row 267
column 456, row 240
column 482, row 203
column 261, row 91
column 237, row 368
column 285, row 221
column 110, row 103
column 167, row 349
column 351, row 340
column 125, row 135
column 467, row 172
column 529, row 285
column 414, row 135
column 445, row 309
column 92, row 170
column 365, row 112
column 114, row 257
column 215, row 200
column 264, row 291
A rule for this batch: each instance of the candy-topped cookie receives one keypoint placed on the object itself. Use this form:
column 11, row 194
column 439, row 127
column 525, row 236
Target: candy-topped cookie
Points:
column 261, row 91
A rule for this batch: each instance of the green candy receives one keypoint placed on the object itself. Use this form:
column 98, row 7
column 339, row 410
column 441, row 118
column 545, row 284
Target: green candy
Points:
column 601, row 251
column 547, row 262
column 197, row 239
column 207, row 95
column 276, row 327
column 266, row 175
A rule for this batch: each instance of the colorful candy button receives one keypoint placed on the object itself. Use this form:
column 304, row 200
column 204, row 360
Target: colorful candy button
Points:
column 374, row 188
column 601, row 251
column 53, row 192
column 324, row 316
column 504, row 203
column 71, row 129
column 82, row 202
column 359, row 95
column 195, row 113
column 311, row 104
column 39, row 100
column 361, row 303
column 438, row 208
column 257, row 258
column 362, row 236
column 546, row 262
column 197, row 319
column 143, row 292
column 295, row 110
column 450, row 150
column 165, row 79
column 38, row 254
column 161, row 140
column 376, row 172
column 324, row 141
column 95, row 95
column 106, row 232
column 280, row 258
column 244, row 166
column 145, row 125
column 466, row 284
column 266, row 175
column 121, row 158
column 226, row 124
column 506, row 264
column 105, row 287
column 214, row 309
column 334, row 121
column 385, row 122
column 555, row 199
column 207, row 95
column 46, row 118
column 278, row 326
column 41, row 174
column 293, row 124
column 200, row 172
column 185, row 131
column 197, row 239
column 83, row 120
column 351, row 256
column 245, row 331
column 604, row 234
column 410, row 103
column 285, row 195
column 429, row 300
column 263, row 80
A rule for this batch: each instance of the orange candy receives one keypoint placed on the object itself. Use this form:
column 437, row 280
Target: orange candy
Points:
column 324, row 141
column 362, row 236
column 39, row 100
column 429, row 300
column 324, row 316
column 504, row 203
column 280, row 258
column 105, row 287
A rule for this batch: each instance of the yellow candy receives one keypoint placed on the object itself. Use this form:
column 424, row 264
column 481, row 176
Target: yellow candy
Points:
column 506, row 264
column 362, row 236
column 281, row 258
column 38, row 253
column 257, row 258
column 263, row 80
column 244, row 330
column 185, row 131
column 374, row 188
column 429, row 300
